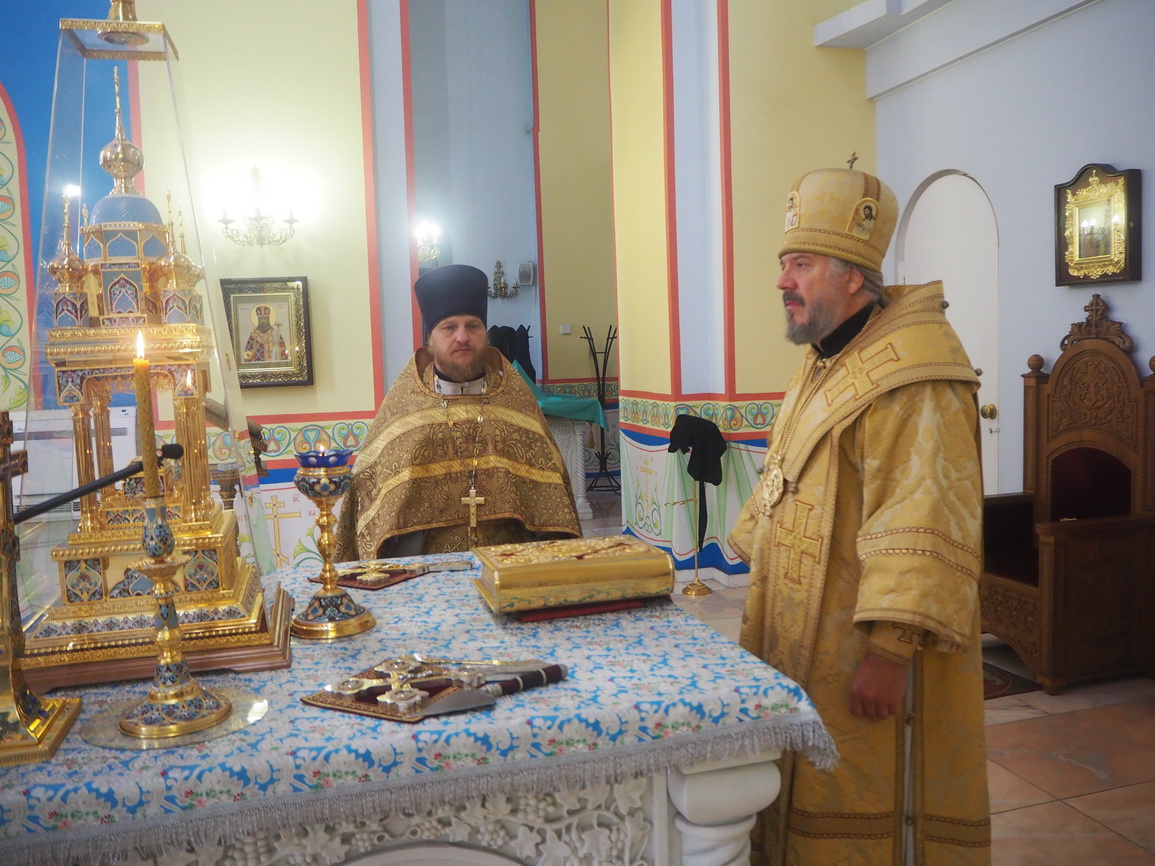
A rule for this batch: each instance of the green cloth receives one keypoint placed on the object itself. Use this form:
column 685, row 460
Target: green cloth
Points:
column 565, row 405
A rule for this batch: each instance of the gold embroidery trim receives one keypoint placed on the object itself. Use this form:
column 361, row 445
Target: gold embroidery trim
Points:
column 833, row 825
column 955, row 831
column 449, row 467
column 436, row 416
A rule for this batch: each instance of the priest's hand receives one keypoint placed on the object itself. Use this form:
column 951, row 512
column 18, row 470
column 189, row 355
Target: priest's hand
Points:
column 877, row 689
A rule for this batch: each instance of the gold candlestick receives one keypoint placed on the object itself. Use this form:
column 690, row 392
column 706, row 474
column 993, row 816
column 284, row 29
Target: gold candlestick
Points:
column 324, row 477
column 176, row 703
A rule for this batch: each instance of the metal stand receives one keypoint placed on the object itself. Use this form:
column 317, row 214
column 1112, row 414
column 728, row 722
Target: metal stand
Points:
column 694, row 588
column 601, row 359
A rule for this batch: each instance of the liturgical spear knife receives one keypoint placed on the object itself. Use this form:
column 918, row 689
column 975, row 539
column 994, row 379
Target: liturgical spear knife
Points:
column 486, row 696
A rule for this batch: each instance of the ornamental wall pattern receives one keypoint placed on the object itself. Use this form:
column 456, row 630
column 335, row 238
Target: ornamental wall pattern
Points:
column 14, row 356
column 752, row 416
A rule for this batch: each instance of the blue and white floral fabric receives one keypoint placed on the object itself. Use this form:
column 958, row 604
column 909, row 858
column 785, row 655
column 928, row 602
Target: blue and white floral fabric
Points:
column 648, row 689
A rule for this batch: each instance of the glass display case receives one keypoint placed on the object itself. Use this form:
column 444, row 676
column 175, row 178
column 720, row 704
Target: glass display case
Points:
column 120, row 277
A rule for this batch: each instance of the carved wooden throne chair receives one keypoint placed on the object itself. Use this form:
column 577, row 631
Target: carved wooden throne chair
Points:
column 1069, row 571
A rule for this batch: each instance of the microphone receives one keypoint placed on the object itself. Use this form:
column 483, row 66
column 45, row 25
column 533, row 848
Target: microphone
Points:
column 168, row 451
column 171, row 451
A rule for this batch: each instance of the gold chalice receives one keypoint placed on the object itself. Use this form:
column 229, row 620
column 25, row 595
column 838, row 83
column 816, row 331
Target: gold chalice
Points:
column 324, row 477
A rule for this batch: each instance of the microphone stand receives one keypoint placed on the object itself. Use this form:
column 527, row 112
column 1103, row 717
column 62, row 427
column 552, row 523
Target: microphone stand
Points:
column 170, row 451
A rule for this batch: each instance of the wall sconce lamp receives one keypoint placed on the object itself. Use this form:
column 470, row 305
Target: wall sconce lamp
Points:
column 260, row 228
column 501, row 289
column 428, row 236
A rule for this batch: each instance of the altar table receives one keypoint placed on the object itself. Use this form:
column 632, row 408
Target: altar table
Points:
column 658, row 748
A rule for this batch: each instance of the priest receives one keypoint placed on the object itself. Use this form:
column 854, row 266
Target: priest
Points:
column 864, row 542
column 459, row 454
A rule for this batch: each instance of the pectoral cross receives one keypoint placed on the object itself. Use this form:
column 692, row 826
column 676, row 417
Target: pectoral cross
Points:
column 472, row 500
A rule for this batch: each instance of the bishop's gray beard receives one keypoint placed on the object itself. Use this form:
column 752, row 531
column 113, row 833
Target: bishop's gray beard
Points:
column 821, row 319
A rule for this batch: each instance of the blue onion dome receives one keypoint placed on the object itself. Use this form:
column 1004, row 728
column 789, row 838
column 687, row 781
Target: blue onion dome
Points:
column 120, row 208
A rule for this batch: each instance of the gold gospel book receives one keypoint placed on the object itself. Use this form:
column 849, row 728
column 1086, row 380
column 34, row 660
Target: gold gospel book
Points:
column 541, row 574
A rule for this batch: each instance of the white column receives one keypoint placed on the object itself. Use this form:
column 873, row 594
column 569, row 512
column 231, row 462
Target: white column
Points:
column 698, row 171
column 717, row 803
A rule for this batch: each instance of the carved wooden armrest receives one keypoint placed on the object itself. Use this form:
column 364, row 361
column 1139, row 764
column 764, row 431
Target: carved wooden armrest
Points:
column 1095, row 525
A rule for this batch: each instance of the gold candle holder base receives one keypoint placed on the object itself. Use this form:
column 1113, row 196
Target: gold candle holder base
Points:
column 695, row 588
column 103, row 729
column 38, row 726
column 313, row 624
column 176, row 704
column 331, row 613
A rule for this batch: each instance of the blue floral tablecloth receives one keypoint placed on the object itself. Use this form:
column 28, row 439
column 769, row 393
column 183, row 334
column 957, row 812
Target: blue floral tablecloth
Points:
column 648, row 689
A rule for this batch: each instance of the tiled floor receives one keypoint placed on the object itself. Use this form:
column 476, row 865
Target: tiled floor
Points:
column 1072, row 776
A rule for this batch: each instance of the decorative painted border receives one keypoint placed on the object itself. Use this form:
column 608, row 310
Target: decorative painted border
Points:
column 583, row 389
column 14, row 355
column 285, row 440
column 752, row 416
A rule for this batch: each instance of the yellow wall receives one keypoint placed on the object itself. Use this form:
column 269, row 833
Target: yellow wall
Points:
column 274, row 84
column 639, row 179
column 793, row 108
column 270, row 83
column 576, row 193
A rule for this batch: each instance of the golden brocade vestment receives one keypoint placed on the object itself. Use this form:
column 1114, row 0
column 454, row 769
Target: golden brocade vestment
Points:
column 424, row 452
column 866, row 529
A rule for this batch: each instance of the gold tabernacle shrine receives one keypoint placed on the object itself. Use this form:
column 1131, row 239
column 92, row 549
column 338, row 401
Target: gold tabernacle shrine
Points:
column 541, row 574
column 128, row 290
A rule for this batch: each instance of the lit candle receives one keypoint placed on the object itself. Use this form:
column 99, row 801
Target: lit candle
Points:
column 144, row 423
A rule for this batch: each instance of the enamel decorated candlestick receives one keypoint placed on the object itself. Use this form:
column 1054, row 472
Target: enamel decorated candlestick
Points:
column 176, row 703
column 324, row 477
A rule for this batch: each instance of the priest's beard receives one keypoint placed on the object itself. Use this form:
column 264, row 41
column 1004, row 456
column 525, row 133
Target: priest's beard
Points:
column 821, row 318
column 461, row 371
